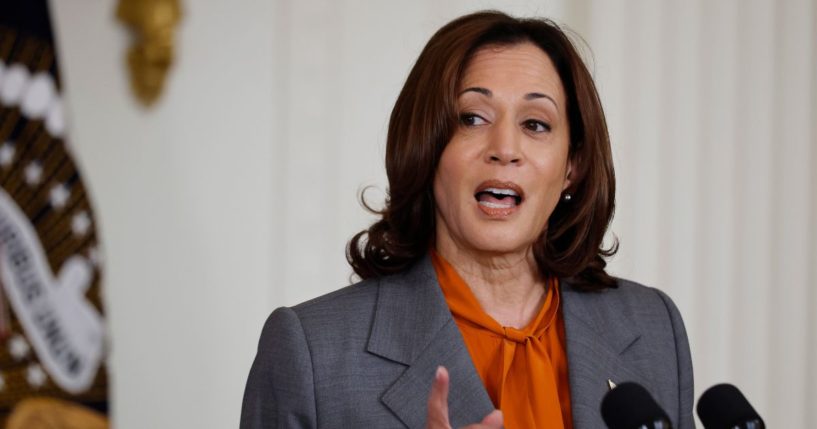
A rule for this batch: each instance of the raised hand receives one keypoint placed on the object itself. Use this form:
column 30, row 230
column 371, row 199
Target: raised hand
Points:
column 438, row 407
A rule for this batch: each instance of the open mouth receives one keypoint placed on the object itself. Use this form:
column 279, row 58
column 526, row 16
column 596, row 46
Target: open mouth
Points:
column 499, row 195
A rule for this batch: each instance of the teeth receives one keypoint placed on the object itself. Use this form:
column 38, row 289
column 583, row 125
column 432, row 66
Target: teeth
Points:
column 495, row 205
column 499, row 191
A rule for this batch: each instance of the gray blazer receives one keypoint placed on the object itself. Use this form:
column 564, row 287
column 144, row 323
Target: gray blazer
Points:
column 365, row 356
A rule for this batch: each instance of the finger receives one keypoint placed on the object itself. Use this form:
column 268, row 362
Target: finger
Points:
column 438, row 399
column 493, row 419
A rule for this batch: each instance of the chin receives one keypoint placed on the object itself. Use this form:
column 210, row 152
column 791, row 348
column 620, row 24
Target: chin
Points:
column 501, row 243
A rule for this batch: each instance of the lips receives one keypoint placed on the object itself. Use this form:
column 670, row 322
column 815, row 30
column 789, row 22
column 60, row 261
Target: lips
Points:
column 497, row 199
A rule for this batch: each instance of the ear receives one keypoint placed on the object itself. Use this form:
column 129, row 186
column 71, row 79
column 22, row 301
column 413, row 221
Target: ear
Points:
column 568, row 174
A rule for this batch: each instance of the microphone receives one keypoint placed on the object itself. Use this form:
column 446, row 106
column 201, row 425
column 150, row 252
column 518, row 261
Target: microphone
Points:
column 630, row 406
column 722, row 406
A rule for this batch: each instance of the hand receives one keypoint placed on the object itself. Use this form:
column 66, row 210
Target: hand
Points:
column 438, row 407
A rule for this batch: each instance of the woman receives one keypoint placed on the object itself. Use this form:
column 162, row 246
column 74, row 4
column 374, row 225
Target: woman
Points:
column 484, row 299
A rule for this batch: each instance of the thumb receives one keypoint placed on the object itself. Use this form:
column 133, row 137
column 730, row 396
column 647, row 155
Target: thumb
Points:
column 438, row 400
column 493, row 420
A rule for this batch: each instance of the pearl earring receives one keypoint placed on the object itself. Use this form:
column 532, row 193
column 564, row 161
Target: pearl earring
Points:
column 568, row 197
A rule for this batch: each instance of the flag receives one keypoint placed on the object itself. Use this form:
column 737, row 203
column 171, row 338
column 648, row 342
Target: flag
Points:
column 52, row 330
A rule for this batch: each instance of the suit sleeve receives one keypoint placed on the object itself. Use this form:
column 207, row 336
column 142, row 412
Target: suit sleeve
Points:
column 685, row 380
column 280, row 389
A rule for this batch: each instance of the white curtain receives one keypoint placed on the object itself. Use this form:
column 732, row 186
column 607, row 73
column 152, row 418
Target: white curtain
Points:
column 712, row 109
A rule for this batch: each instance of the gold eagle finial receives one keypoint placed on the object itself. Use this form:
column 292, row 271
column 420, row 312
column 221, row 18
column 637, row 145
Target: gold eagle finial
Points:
column 153, row 24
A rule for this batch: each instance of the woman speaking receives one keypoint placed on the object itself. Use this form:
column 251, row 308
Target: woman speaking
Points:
column 483, row 299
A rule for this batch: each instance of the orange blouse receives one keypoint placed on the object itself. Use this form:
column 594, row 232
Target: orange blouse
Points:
column 524, row 371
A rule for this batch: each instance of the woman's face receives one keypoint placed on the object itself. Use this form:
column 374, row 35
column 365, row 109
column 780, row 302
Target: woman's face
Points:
column 503, row 172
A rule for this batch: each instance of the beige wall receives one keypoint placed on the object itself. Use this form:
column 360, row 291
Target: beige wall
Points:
column 183, row 197
column 712, row 111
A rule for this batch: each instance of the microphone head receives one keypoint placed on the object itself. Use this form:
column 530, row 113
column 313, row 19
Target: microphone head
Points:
column 629, row 406
column 723, row 406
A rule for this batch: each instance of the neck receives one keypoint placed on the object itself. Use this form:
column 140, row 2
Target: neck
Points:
column 507, row 284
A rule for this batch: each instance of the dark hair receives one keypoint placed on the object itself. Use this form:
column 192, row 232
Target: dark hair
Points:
column 423, row 121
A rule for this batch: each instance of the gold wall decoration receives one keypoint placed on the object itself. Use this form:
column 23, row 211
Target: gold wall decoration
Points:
column 153, row 25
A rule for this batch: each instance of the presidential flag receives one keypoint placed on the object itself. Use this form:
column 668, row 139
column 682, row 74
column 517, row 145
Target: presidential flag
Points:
column 52, row 330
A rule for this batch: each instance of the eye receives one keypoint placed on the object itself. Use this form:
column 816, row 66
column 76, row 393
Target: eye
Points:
column 472, row 119
column 536, row 126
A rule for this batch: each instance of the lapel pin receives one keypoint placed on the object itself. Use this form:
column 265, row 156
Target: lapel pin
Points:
column 611, row 384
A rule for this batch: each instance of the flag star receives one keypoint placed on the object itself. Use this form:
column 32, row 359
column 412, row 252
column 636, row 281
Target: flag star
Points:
column 6, row 154
column 59, row 196
column 14, row 83
column 54, row 119
column 38, row 95
column 33, row 173
column 18, row 347
column 80, row 223
column 35, row 376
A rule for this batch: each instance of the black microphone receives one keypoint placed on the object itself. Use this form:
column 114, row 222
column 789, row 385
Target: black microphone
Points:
column 630, row 406
column 722, row 406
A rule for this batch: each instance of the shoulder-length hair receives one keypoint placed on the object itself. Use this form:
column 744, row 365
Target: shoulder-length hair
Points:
column 423, row 121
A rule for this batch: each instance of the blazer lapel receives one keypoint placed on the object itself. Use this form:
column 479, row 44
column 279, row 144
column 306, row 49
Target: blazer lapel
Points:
column 413, row 326
column 597, row 334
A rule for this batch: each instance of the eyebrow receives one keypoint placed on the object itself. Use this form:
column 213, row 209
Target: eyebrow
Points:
column 529, row 96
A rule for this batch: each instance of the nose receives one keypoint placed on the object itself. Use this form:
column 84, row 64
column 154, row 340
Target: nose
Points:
column 504, row 146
